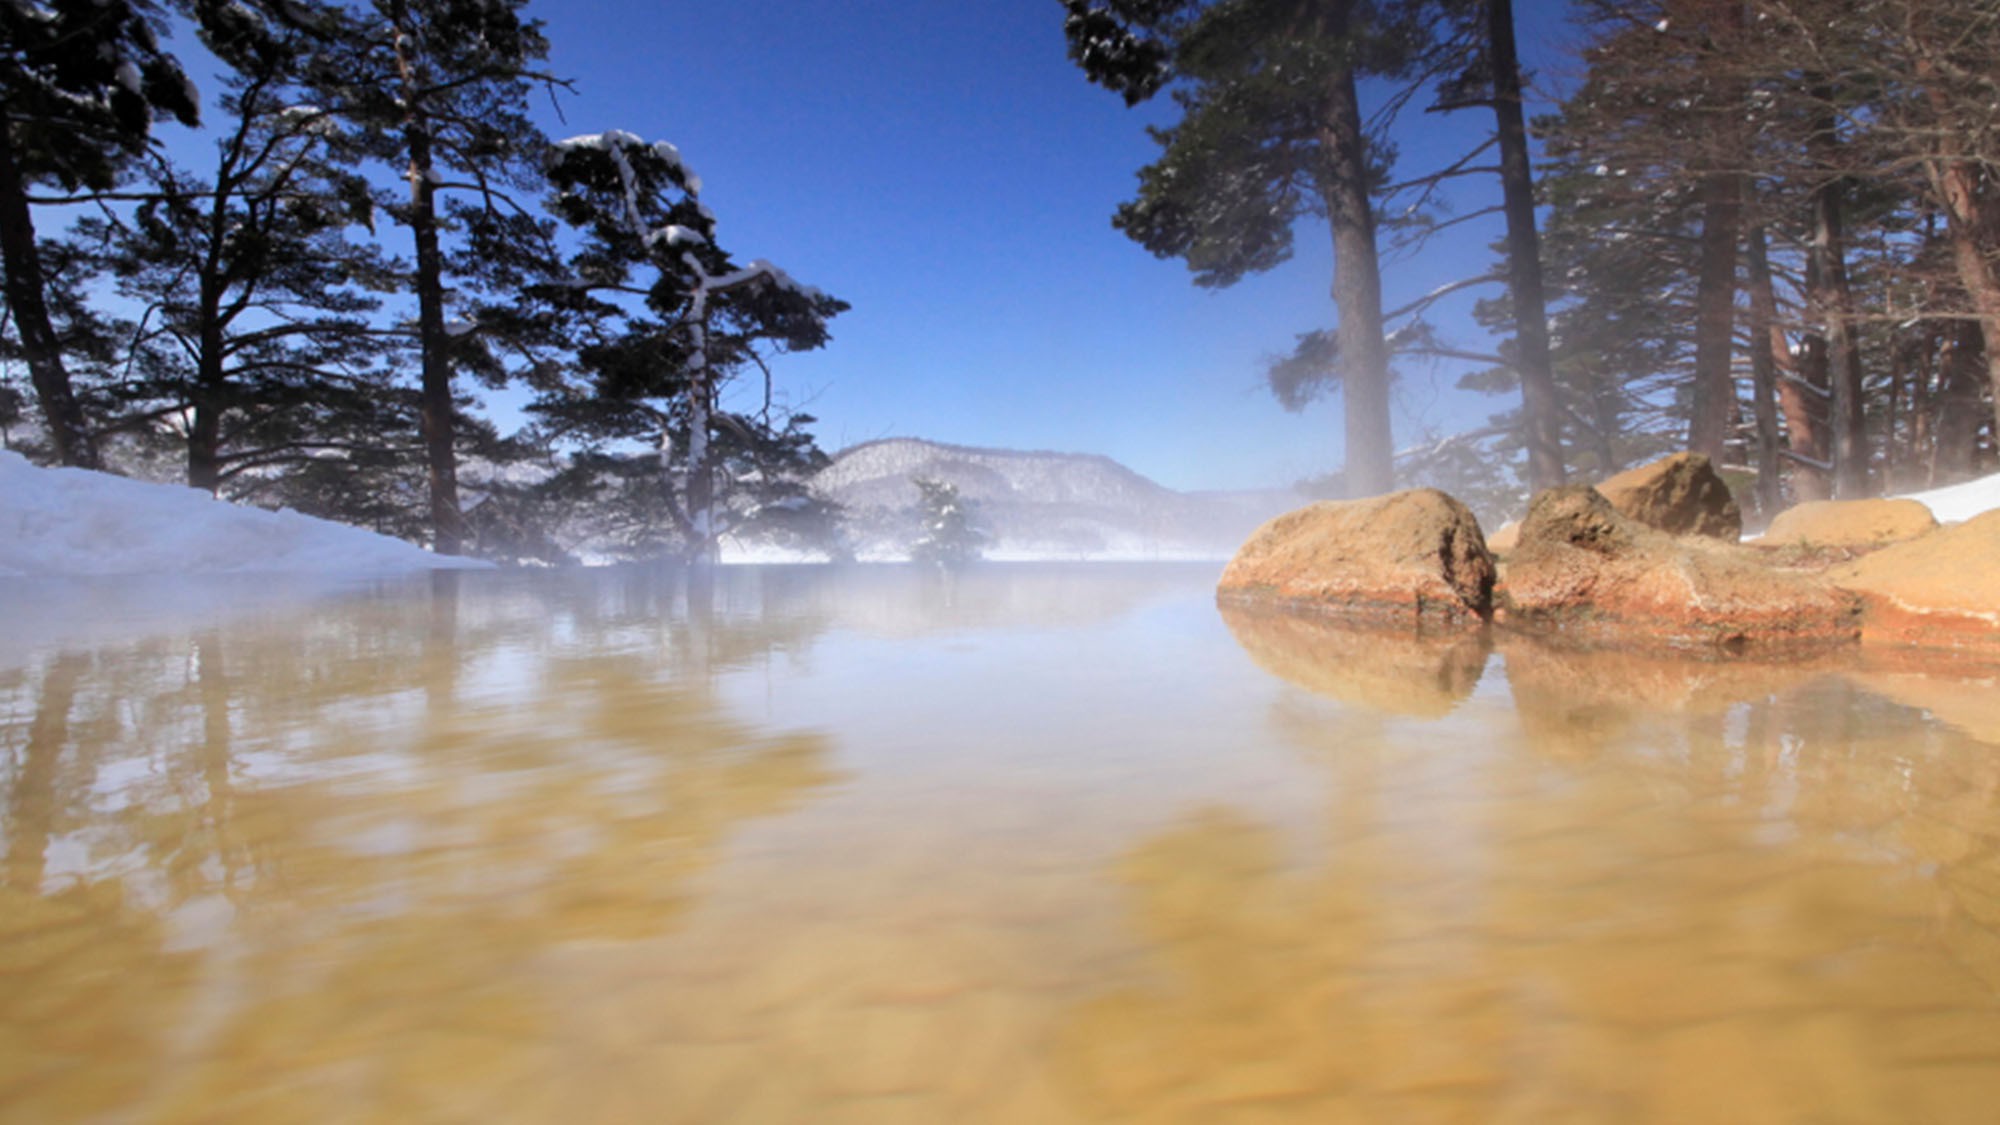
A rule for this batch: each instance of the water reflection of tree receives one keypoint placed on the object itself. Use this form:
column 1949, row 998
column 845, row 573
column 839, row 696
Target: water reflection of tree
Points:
column 377, row 835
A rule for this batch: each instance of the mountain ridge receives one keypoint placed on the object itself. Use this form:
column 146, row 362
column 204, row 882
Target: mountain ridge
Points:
column 1039, row 503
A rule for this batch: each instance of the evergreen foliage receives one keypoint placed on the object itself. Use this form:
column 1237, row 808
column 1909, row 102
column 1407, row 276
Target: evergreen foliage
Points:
column 1269, row 134
column 437, row 90
column 259, row 339
column 80, row 86
column 667, row 320
column 1772, row 232
column 946, row 535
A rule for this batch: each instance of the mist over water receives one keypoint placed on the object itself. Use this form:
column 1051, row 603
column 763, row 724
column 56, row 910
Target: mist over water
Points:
column 1027, row 843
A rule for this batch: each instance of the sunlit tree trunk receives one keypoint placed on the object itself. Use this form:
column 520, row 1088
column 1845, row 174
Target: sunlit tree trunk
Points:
column 1540, row 412
column 1799, row 383
column 1357, row 280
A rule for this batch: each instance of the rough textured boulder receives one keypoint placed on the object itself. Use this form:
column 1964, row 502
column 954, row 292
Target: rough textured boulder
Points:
column 1942, row 590
column 1396, row 672
column 1587, row 572
column 1409, row 559
column 1849, row 523
column 1680, row 495
column 1506, row 539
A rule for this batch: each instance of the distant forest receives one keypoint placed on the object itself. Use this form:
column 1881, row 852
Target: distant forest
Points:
column 1765, row 231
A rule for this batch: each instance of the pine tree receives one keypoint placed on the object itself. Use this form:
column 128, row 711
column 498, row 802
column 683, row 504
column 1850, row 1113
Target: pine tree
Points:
column 80, row 87
column 1490, row 77
column 1270, row 133
column 257, row 301
column 438, row 90
column 670, row 319
column 946, row 535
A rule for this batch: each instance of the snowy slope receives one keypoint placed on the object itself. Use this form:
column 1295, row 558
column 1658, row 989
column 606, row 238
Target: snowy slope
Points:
column 881, row 471
column 1037, row 504
column 75, row 522
column 1962, row 501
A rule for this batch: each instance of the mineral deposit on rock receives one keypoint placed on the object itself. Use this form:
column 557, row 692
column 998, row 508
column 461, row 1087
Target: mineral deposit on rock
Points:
column 1941, row 590
column 1587, row 571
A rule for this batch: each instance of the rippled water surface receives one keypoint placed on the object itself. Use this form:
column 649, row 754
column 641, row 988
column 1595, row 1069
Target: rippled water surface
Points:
column 1041, row 844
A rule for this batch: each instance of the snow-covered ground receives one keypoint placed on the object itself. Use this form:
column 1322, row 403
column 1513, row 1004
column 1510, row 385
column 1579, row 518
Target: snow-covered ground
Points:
column 70, row 522
column 1961, row 501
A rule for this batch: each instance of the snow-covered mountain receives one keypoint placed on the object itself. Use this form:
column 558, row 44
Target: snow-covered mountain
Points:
column 1038, row 504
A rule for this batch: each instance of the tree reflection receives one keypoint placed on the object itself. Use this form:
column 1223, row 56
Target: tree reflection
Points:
column 384, row 838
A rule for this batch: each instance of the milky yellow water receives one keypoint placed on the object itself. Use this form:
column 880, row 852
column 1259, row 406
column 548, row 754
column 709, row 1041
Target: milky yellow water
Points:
column 1040, row 844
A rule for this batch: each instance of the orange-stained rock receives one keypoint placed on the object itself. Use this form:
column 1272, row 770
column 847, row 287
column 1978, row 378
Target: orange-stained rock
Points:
column 1942, row 590
column 1394, row 671
column 1414, row 559
column 1586, row 571
column 1505, row 539
column 1680, row 495
column 1849, row 523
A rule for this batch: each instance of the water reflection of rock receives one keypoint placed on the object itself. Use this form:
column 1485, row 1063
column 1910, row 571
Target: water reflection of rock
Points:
column 1964, row 692
column 335, row 868
column 1399, row 673
column 1573, row 702
column 1768, row 902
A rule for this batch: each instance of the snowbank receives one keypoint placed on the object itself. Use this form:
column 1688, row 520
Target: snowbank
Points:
column 1961, row 501
column 75, row 522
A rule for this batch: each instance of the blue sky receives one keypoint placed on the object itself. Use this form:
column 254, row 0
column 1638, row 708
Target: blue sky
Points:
column 943, row 166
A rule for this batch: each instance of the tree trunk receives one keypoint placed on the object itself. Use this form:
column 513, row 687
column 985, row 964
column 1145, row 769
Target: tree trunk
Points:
column 1971, row 224
column 1831, row 302
column 1767, row 345
column 1834, row 302
column 204, row 449
column 69, row 438
column 1540, row 412
column 1801, row 383
column 1713, row 405
column 701, row 477
column 1721, row 157
column 204, row 452
column 1357, row 281
column 435, row 418
column 1965, row 366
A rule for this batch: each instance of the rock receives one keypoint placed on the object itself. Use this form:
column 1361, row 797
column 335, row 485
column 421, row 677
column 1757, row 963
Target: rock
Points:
column 1680, row 495
column 1506, row 539
column 1588, row 572
column 1942, row 590
column 1849, row 523
column 1394, row 672
column 1408, row 559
